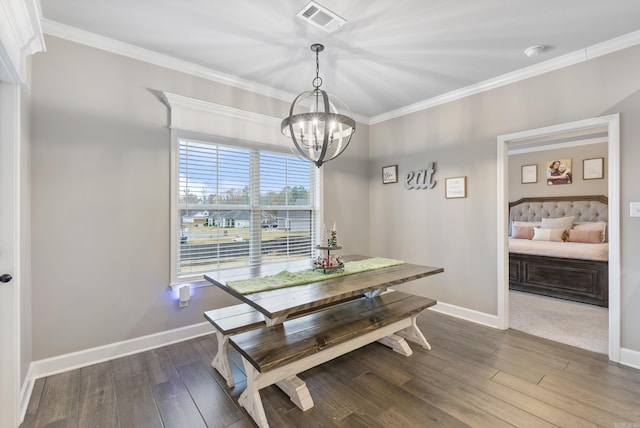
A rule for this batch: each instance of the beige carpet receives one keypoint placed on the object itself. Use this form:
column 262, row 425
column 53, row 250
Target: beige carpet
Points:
column 572, row 323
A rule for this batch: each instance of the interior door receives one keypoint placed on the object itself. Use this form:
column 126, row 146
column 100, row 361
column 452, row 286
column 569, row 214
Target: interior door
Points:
column 9, row 235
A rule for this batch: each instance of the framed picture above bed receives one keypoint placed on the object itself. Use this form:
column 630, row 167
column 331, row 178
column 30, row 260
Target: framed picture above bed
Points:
column 529, row 174
column 592, row 169
column 559, row 172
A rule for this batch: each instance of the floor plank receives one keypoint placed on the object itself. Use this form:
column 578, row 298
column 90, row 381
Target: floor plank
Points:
column 97, row 405
column 602, row 417
column 217, row 408
column 58, row 403
column 176, row 407
column 474, row 376
column 135, row 404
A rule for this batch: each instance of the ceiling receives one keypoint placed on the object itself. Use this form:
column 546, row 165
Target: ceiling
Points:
column 389, row 55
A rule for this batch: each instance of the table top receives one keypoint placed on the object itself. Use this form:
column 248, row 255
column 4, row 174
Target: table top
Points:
column 282, row 302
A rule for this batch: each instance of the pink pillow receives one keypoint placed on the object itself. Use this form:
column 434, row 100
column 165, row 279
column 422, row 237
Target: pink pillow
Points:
column 522, row 232
column 587, row 236
column 600, row 225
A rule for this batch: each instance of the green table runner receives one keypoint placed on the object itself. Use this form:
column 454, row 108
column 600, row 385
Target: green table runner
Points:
column 289, row 279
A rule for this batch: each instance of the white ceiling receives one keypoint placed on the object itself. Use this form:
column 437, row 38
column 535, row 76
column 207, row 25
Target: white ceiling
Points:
column 389, row 55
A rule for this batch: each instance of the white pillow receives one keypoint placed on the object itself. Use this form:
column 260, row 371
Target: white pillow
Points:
column 558, row 235
column 598, row 225
column 557, row 223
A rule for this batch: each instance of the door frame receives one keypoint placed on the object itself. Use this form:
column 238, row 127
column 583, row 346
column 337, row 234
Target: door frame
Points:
column 509, row 141
column 9, row 254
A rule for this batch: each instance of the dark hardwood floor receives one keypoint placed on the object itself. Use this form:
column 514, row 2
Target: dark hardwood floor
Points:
column 474, row 376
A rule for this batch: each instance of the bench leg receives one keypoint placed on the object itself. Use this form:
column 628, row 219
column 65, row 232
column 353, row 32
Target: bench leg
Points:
column 413, row 334
column 297, row 391
column 397, row 343
column 250, row 397
column 221, row 361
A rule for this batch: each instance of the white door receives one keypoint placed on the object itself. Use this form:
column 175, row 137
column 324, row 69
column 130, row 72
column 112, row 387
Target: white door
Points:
column 9, row 238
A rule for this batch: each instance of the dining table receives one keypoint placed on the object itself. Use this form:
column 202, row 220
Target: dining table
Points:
column 277, row 305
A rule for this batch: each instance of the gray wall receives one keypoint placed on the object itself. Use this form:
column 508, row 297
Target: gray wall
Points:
column 100, row 198
column 578, row 186
column 100, row 177
column 460, row 234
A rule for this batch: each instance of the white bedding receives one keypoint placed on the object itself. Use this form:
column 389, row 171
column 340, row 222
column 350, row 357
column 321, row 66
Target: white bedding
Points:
column 568, row 250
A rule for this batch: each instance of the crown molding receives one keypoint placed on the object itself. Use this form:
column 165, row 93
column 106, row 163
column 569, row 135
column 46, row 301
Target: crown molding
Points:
column 594, row 51
column 87, row 38
column 20, row 35
column 100, row 42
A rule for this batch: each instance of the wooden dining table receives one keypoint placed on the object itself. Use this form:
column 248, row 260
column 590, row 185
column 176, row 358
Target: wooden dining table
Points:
column 279, row 304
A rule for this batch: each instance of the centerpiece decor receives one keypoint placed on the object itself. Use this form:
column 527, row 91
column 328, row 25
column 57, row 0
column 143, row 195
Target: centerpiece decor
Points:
column 307, row 276
column 327, row 262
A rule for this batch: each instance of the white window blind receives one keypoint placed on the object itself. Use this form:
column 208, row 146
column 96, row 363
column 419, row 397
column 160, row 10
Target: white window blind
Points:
column 242, row 206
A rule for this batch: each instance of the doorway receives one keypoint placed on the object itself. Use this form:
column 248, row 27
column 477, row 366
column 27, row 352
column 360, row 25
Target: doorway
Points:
column 520, row 139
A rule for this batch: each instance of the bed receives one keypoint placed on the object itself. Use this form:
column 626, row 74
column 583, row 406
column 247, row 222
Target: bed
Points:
column 555, row 260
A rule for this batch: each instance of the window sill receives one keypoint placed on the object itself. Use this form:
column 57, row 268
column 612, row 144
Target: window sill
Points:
column 192, row 284
column 244, row 273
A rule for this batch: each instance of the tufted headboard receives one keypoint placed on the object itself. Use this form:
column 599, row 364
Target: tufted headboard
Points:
column 584, row 208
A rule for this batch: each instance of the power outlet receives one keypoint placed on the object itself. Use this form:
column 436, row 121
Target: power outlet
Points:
column 635, row 209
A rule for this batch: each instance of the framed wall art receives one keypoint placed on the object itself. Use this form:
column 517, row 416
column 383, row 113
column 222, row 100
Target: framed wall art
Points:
column 559, row 172
column 592, row 169
column 529, row 174
column 390, row 174
column 455, row 187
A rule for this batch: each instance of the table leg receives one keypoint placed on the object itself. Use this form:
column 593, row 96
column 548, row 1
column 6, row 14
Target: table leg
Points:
column 274, row 321
column 374, row 293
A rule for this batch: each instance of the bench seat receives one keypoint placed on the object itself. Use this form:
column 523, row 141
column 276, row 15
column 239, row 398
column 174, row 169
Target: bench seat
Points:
column 276, row 354
column 232, row 320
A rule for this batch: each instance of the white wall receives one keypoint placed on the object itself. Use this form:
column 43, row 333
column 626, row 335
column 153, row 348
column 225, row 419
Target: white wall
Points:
column 460, row 234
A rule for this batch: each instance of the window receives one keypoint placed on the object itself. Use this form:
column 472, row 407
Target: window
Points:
column 241, row 205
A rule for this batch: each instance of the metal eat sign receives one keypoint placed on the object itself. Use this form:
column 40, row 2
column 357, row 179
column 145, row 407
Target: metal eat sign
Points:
column 422, row 179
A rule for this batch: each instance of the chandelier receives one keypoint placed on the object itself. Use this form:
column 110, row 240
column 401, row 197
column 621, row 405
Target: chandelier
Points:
column 319, row 123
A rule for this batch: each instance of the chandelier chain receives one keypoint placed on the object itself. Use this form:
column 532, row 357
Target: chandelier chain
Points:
column 317, row 82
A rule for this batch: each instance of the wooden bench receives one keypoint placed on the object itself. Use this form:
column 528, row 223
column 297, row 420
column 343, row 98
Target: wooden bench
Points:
column 233, row 320
column 276, row 354
column 227, row 321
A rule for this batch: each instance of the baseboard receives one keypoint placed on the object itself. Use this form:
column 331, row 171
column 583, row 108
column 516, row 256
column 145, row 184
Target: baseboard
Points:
column 25, row 394
column 87, row 357
column 630, row 358
column 467, row 314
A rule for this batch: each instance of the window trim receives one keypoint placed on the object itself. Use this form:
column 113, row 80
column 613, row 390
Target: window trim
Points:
column 197, row 280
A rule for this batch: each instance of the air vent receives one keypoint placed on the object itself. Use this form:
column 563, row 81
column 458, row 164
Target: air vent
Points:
column 321, row 17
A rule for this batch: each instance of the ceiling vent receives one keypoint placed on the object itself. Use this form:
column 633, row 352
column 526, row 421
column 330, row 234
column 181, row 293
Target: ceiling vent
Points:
column 321, row 17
